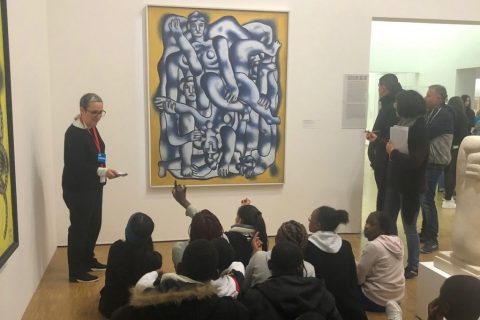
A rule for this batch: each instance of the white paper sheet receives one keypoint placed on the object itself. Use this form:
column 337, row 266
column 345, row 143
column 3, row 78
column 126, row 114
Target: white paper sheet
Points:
column 399, row 138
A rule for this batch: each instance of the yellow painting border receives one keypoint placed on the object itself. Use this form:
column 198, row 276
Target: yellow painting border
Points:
column 154, row 52
column 8, row 205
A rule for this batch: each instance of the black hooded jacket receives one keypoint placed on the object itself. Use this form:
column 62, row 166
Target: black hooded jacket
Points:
column 291, row 297
column 386, row 118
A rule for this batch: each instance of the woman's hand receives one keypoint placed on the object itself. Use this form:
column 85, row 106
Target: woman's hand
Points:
column 389, row 147
column 179, row 192
column 245, row 202
column 111, row 174
column 370, row 136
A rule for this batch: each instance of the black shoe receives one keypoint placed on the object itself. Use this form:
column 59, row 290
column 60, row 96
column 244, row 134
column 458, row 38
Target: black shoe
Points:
column 429, row 247
column 410, row 273
column 97, row 266
column 84, row 277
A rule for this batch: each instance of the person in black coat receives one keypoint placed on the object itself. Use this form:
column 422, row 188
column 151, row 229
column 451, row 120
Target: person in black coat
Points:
column 287, row 294
column 470, row 114
column 84, row 174
column 388, row 87
column 185, row 296
column 127, row 262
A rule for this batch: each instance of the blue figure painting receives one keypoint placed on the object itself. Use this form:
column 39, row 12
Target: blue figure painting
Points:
column 219, row 99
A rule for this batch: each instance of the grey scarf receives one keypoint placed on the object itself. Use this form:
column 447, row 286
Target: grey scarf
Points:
column 407, row 122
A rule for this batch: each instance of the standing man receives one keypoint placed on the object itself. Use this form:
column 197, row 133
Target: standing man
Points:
column 84, row 175
column 388, row 87
column 439, row 121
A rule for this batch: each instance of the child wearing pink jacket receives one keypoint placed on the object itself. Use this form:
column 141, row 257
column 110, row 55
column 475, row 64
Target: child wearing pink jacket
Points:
column 380, row 269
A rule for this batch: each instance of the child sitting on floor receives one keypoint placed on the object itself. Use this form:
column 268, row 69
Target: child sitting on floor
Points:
column 380, row 269
column 128, row 261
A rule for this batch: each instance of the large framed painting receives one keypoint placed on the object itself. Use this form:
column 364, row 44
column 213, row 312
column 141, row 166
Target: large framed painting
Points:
column 217, row 95
column 8, row 204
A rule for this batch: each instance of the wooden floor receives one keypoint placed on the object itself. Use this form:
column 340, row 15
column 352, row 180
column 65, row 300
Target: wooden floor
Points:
column 56, row 298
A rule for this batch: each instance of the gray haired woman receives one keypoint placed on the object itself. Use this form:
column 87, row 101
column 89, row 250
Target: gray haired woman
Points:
column 85, row 173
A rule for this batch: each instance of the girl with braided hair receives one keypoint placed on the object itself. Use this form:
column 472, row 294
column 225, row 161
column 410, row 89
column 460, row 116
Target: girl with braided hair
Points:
column 257, row 269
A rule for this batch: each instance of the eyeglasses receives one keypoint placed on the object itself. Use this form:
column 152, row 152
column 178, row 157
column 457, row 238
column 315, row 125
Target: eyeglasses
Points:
column 97, row 113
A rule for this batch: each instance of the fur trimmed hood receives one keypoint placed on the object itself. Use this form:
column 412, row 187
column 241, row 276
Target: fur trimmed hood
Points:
column 173, row 289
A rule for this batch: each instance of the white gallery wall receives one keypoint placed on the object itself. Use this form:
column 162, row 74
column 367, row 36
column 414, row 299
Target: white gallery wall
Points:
column 33, row 132
column 63, row 48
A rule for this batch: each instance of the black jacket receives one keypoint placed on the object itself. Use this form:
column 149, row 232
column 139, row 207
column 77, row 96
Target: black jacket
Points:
column 241, row 244
column 386, row 118
column 340, row 274
column 180, row 298
column 461, row 128
column 125, row 266
column 290, row 297
column 470, row 114
column 406, row 172
column 440, row 121
column 81, row 160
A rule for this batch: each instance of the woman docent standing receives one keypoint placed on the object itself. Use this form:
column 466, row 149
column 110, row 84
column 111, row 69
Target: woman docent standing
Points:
column 84, row 175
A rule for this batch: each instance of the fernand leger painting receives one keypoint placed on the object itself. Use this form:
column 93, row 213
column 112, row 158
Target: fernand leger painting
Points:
column 8, row 207
column 217, row 96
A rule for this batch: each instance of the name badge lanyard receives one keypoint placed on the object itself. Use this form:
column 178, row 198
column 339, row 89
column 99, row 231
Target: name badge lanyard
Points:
column 432, row 116
column 94, row 133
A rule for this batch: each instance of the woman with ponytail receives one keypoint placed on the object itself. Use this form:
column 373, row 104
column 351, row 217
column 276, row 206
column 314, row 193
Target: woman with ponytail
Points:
column 334, row 261
column 127, row 262
column 248, row 222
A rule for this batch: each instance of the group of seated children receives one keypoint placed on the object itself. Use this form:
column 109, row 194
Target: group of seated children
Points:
column 231, row 275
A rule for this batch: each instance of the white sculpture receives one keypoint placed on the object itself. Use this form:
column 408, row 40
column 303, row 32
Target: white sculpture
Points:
column 466, row 227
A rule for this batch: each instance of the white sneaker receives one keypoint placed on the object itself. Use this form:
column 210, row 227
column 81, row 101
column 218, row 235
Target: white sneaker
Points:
column 393, row 310
column 449, row 204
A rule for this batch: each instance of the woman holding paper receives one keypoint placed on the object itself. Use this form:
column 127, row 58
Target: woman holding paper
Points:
column 406, row 172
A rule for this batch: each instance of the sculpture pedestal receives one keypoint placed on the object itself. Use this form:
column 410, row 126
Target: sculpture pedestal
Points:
column 431, row 276
column 445, row 261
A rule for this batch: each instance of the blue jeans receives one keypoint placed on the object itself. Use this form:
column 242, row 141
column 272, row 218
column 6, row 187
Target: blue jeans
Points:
column 395, row 202
column 427, row 202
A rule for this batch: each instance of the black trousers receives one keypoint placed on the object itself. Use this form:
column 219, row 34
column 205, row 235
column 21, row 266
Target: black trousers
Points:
column 451, row 175
column 85, row 223
column 380, row 175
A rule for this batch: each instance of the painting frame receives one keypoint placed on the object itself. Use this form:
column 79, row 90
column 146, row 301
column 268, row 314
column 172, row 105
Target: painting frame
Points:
column 267, row 173
column 9, row 240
